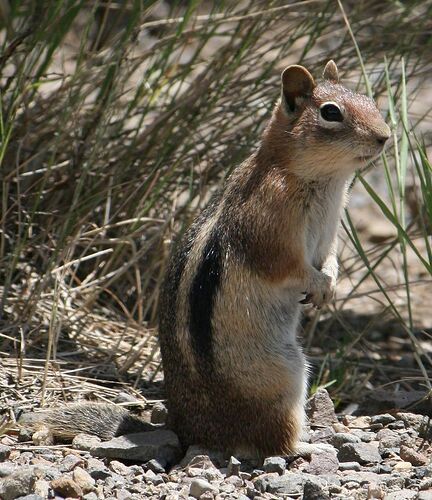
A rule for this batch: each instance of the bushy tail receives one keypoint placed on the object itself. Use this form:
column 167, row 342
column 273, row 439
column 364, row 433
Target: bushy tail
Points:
column 97, row 419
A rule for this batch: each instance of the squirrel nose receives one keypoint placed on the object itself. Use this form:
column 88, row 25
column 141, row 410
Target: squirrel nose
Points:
column 383, row 135
column 382, row 139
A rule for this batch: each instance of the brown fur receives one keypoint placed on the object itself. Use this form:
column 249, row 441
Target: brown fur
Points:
column 248, row 392
column 235, row 376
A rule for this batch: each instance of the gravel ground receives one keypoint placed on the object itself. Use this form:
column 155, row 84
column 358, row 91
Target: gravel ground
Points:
column 387, row 456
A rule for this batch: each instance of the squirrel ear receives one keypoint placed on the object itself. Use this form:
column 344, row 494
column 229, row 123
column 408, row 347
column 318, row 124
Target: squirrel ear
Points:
column 296, row 82
column 331, row 72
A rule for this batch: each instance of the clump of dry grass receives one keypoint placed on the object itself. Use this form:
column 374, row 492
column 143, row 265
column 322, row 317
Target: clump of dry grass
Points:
column 116, row 125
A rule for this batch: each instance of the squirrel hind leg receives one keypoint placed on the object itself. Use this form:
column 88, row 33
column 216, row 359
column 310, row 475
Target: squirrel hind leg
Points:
column 97, row 419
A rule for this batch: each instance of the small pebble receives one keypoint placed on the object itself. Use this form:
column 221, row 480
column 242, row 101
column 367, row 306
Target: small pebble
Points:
column 5, row 451
column 70, row 462
column 85, row 442
column 155, row 466
column 349, row 466
column 83, row 479
column 275, row 464
column 402, row 466
column 159, row 414
column 375, row 492
column 412, row 456
column 66, row 487
column 233, row 468
column 200, row 486
column 384, row 419
column 43, row 437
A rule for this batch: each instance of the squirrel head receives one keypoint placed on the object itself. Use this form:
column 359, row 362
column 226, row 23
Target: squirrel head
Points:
column 328, row 128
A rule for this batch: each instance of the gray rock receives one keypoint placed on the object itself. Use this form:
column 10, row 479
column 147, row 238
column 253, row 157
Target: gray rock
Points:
column 381, row 469
column 291, row 483
column 97, row 469
column 156, row 466
column 24, row 435
column 314, row 491
column 200, row 486
column 120, row 468
column 388, row 438
column 50, row 472
column 349, row 466
column 233, row 468
column 236, row 481
column 322, row 435
column 159, row 414
column 425, row 495
column 32, row 496
column 320, row 409
column 274, row 464
column 7, row 468
column 383, row 419
column 363, row 453
column 424, row 472
column 414, row 421
column 4, row 452
column 365, row 436
column 143, row 446
column 19, row 483
column 394, row 481
column 365, row 477
column 90, row 496
column 125, row 397
column 70, row 462
column 397, row 425
column 196, row 450
column 85, row 442
column 401, row 495
column 340, row 438
column 153, row 478
column 323, row 463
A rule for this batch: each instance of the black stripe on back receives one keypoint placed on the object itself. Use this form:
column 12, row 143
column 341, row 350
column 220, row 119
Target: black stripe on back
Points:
column 202, row 296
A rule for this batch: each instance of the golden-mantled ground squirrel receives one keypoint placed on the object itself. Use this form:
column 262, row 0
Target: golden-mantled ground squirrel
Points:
column 235, row 375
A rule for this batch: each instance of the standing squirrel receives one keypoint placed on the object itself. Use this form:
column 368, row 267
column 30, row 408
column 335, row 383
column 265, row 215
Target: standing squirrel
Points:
column 230, row 307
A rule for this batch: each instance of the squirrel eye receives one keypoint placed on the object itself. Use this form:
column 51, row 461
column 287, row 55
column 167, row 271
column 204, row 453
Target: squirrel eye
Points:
column 331, row 112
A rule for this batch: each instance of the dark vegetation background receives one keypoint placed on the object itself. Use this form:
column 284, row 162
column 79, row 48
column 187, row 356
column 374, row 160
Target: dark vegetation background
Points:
column 118, row 120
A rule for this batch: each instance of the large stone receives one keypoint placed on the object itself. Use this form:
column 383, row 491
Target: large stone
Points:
column 412, row 456
column 83, row 480
column 323, row 463
column 320, row 409
column 20, row 483
column 384, row 419
column 404, row 494
column 292, row 483
column 159, row 414
column 200, row 486
column 4, row 452
column 363, row 453
column 233, row 468
column 66, row 487
column 275, row 464
column 314, row 491
column 85, row 442
column 340, row 438
column 143, row 446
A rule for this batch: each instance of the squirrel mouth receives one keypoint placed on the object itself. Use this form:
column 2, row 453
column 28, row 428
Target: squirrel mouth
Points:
column 365, row 158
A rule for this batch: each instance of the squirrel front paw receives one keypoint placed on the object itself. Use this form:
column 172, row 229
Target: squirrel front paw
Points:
column 319, row 290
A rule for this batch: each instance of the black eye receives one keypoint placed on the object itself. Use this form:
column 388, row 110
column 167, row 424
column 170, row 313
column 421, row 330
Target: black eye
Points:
column 331, row 112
